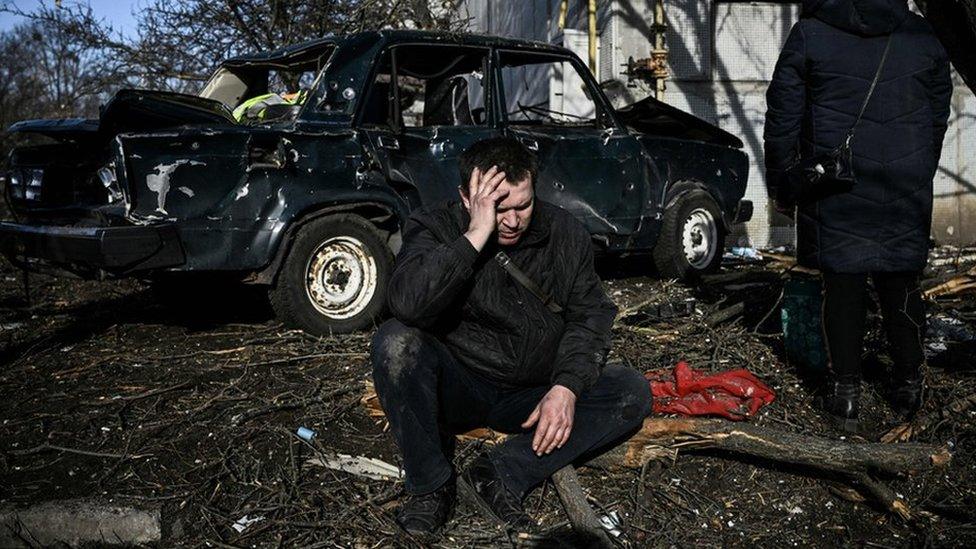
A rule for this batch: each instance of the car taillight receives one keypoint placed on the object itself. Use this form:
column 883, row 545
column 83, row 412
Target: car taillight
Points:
column 32, row 188
column 25, row 184
column 15, row 184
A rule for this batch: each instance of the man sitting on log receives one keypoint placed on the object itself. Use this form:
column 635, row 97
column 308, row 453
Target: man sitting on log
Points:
column 475, row 343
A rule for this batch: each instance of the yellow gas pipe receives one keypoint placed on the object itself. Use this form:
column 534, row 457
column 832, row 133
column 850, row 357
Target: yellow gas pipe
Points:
column 591, row 12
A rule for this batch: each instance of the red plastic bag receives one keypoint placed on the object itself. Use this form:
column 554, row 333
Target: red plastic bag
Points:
column 736, row 394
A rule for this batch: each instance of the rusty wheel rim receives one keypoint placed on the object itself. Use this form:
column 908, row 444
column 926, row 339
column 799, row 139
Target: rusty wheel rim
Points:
column 340, row 278
column 699, row 238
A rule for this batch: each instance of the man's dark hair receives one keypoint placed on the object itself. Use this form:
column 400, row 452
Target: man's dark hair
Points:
column 507, row 153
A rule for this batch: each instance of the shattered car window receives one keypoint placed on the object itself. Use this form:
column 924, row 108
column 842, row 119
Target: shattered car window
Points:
column 285, row 82
column 437, row 86
column 543, row 90
column 286, row 93
column 271, row 91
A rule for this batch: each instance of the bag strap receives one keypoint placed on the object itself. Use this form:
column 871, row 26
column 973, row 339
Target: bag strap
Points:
column 867, row 99
column 523, row 279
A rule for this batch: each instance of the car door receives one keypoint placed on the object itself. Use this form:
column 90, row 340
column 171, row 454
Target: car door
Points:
column 415, row 130
column 588, row 164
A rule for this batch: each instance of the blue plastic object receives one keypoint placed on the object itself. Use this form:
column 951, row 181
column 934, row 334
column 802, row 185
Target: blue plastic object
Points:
column 305, row 433
column 746, row 253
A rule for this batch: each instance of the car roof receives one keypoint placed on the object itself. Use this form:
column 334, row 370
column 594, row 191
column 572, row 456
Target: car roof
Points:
column 391, row 37
column 280, row 54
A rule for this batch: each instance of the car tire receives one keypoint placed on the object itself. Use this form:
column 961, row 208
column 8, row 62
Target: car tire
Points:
column 334, row 277
column 692, row 237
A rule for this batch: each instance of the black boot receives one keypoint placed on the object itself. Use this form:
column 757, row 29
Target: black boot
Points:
column 425, row 514
column 485, row 487
column 843, row 403
column 906, row 398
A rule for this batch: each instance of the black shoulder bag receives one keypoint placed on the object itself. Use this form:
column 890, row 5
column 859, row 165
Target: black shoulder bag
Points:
column 523, row 279
column 831, row 172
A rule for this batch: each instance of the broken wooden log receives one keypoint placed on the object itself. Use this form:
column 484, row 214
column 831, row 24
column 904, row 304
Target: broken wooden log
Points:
column 746, row 439
column 856, row 462
column 581, row 515
column 892, row 502
column 724, row 315
column 783, row 262
column 861, row 488
column 955, row 285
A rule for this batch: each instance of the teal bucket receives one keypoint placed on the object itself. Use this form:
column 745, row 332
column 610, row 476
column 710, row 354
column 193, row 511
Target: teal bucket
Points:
column 802, row 332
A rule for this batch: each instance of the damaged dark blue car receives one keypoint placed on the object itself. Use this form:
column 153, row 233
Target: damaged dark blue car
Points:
column 296, row 168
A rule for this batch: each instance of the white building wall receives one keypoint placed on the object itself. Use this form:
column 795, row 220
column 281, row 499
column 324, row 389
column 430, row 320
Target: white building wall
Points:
column 721, row 57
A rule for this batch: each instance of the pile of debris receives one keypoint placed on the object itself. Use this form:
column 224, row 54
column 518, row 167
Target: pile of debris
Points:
column 196, row 415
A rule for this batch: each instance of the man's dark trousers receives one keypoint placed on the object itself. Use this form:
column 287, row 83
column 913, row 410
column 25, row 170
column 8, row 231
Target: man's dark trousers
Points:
column 428, row 397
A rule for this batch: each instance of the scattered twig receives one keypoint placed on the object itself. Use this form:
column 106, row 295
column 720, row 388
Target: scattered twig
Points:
column 147, row 394
column 53, row 448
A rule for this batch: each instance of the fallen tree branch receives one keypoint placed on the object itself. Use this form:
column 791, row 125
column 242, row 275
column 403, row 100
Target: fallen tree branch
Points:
column 52, row 448
column 294, row 359
column 955, row 285
column 783, row 262
column 580, row 514
column 241, row 419
column 884, row 496
column 847, row 458
column 140, row 396
column 726, row 314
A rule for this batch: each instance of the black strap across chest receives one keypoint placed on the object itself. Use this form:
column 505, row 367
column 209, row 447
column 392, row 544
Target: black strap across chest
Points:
column 523, row 279
column 874, row 82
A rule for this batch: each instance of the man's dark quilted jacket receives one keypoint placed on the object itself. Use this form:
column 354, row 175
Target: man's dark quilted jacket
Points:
column 492, row 324
column 820, row 81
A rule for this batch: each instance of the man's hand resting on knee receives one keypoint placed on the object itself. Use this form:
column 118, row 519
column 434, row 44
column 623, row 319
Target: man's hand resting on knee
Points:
column 553, row 417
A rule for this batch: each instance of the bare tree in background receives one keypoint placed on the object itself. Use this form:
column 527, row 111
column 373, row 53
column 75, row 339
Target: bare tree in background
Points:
column 46, row 72
column 177, row 44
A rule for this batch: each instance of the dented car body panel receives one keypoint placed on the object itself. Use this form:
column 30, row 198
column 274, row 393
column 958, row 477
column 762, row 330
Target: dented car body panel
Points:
column 172, row 182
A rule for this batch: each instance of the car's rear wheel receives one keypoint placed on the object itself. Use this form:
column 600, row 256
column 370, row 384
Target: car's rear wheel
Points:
column 334, row 278
column 692, row 237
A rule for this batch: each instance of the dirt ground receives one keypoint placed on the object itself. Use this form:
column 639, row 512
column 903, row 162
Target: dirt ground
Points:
column 190, row 400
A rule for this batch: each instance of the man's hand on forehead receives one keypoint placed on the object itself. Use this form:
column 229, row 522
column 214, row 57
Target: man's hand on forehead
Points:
column 484, row 194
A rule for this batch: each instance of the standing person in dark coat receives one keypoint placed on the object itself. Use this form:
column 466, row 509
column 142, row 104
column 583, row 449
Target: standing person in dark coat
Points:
column 880, row 227
column 470, row 346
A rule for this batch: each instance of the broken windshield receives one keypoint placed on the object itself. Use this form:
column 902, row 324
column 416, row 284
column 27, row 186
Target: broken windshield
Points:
column 271, row 89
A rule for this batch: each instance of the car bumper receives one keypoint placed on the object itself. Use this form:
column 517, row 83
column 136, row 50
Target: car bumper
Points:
column 115, row 250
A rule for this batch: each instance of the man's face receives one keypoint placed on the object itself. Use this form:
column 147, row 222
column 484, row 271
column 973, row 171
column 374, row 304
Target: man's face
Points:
column 513, row 213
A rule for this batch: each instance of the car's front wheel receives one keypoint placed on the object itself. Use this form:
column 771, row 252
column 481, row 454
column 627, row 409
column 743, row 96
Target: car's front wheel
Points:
column 334, row 278
column 692, row 237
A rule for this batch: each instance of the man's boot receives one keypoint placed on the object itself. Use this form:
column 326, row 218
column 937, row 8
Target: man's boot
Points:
column 906, row 398
column 484, row 484
column 425, row 514
column 843, row 403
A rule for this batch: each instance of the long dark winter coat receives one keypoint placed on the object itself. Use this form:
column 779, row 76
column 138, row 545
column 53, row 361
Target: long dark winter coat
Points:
column 820, row 81
column 491, row 323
